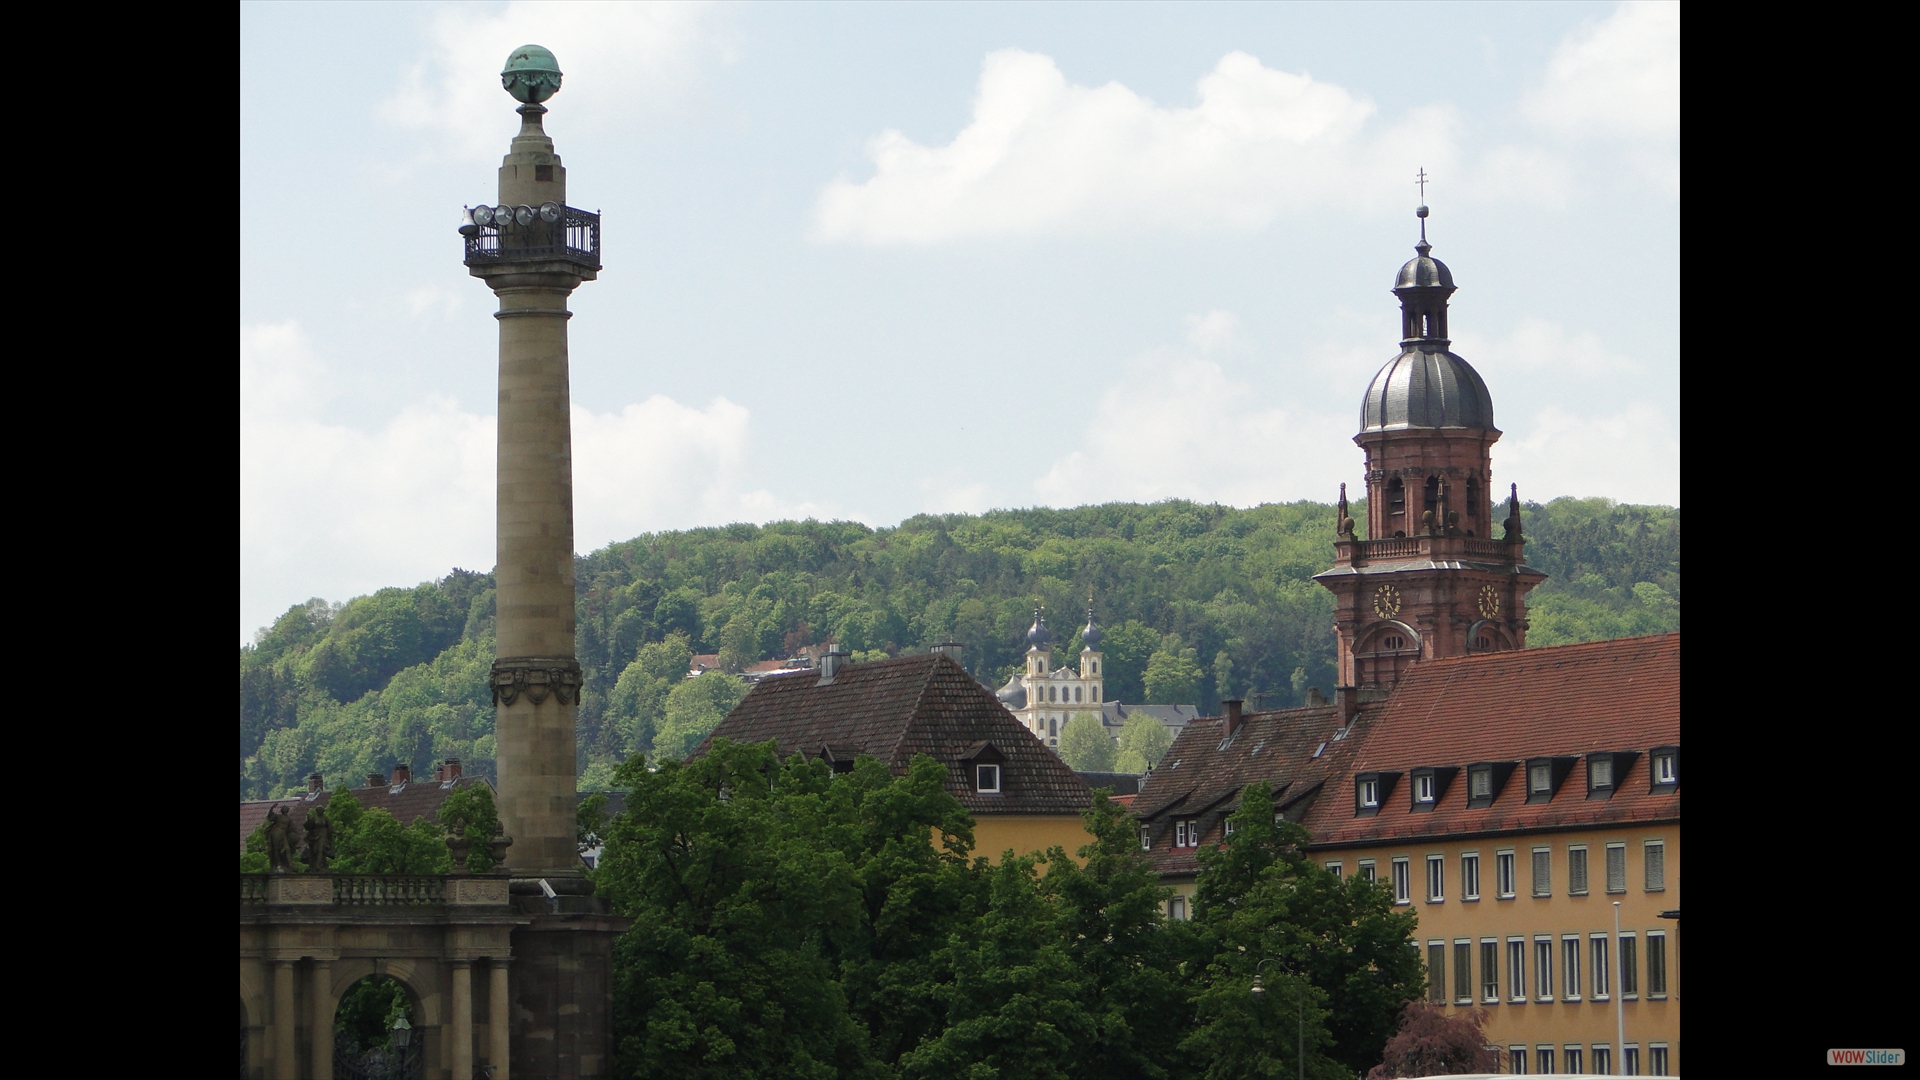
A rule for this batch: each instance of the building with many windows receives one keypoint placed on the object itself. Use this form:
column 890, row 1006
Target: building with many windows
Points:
column 1525, row 803
column 1044, row 697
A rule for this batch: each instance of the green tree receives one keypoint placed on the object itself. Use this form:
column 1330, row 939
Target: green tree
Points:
column 368, row 1010
column 1144, row 740
column 1173, row 674
column 739, row 643
column 735, row 902
column 469, row 812
column 638, row 703
column 1126, row 648
column 694, row 708
column 1259, row 896
column 1085, row 745
column 375, row 842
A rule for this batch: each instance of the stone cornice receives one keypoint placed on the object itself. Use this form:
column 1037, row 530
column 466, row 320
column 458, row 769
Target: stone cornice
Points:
column 537, row 677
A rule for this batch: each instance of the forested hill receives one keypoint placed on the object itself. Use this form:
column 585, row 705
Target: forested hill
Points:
column 1198, row 603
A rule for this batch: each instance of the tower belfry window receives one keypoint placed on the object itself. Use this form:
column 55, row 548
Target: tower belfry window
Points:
column 1396, row 497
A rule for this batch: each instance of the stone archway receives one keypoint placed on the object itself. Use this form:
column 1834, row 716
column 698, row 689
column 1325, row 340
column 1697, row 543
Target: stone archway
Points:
column 363, row 1042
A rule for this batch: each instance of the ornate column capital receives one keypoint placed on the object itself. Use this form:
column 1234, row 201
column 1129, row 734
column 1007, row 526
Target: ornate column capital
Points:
column 536, row 677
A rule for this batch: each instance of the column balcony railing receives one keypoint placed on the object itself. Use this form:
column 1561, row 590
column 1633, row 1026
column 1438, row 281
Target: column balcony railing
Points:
column 574, row 238
column 1359, row 552
column 374, row 890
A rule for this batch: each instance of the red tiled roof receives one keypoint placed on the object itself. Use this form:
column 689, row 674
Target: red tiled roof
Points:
column 1202, row 775
column 896, row 708
column 1564, row 700
column 419, row 798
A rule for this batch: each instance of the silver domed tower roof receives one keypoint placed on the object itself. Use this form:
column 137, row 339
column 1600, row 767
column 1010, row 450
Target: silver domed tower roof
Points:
column 1038, row 636
column 1090, row 634
column 1427, row 385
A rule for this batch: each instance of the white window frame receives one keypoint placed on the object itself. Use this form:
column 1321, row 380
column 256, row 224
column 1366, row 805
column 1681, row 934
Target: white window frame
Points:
column 1146, row 838
column 1489, row 945
column 980, row 779
column 1402, row 880
column 1657, row 1059
column 1469, row 875
column 1436, row 879
column 1369, row 793
column 1368, row 870
column 1177, row 909
column 1666, row 768
column 1617, row 852
column 1226, row 828
column 1507, row 875
column 1338, row 872
column 1475, row 776
column 1630, row 1057
column 1571, row 1059
column 1423, row 788
column 1180, row 833
column 1600, row 1057
column 1543, row 1059
column 1570, row 962
column 1543, row 967
column 1593, row 781
column 1542, row 883
column 1548, row 788
column 1517, row 970
column 1577, row 876
column 1647, row 849
column 1600, row 962
column 1517, row 1060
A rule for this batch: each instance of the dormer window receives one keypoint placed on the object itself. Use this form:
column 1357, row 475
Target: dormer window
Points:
column 1423, row 787
column 1430, row 786
column 1666, row 768
column 1485, row 779
column 1370, row 791
column 1545, row 775
column 1605, row 770
column 1146, row 838
column 987, row 779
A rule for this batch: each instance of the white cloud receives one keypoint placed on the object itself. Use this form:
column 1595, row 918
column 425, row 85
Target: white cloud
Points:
column 1618, row 82
column 1212, row 331
column 1631, row 456
column 1537, row 343
column 334, row 511
column 1177, row 425
column 621, row 60
column 1041, row 155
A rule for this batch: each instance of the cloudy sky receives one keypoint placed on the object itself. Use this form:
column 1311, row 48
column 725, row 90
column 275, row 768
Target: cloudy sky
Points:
column 865, row 261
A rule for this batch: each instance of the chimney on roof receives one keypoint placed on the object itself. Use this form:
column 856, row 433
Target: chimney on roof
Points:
column 1348, row 698
column 402, row 773
column 1315, row 699
column 1234, row 717
column 374, row 779
column 451, row 770
column 831, row 662
column 316, row 783
column 950, row 648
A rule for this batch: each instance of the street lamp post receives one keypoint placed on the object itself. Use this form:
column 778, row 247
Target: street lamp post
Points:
column 1619, row 999
column 1259, row 989
column 402, row 1035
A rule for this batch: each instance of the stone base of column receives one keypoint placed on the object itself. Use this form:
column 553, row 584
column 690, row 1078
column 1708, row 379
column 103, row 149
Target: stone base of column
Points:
column 562, row 992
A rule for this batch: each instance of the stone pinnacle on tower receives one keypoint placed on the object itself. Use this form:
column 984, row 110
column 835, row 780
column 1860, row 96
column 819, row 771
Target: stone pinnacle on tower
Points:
column 533, row 250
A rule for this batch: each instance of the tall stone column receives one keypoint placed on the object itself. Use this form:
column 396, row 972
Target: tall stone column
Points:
column 322, row 1004
column 460, row 1052
column 535, row 260
column 285, row 1023
column 499, row 1019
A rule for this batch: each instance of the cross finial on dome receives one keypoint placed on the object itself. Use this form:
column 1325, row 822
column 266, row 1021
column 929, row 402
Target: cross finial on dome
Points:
column 1421, row 179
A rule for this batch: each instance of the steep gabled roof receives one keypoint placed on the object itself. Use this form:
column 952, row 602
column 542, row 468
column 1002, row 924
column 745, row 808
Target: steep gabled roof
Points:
column 1560, row 701
column 893, row 709
column 1204, row 772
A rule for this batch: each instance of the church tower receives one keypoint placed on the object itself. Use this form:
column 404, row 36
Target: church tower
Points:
column 1427, row 579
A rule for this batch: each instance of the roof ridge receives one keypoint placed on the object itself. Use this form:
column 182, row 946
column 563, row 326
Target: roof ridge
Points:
column 913, row 714
column 1543, row 650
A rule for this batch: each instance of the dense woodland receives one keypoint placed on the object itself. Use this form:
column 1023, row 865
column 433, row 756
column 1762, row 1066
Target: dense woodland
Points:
column 1198, row 603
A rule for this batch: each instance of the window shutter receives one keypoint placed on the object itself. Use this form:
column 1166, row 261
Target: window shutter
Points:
column 1629, row 966
column 1616, row 869
column 1543, row 873
column 1576, row 870
column 1656, row 867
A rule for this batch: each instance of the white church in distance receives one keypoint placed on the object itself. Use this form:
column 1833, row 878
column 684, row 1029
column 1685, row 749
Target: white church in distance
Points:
column 1044, row 697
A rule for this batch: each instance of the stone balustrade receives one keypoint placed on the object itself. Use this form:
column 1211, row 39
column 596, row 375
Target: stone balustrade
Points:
column 375, row 890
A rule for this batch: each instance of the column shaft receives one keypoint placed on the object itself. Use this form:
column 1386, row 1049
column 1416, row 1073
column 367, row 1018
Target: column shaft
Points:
column 460, row 1054
column 322, row 1022
column 534, row 572
column 499, row 1019
column 285, row 1065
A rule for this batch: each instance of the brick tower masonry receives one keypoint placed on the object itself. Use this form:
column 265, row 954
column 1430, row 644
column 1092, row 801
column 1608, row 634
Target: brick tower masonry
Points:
column 1428, row 579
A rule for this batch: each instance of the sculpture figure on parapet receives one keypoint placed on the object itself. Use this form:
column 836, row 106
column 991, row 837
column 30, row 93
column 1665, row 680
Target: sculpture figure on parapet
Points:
column 318, row 847
column 280, row 840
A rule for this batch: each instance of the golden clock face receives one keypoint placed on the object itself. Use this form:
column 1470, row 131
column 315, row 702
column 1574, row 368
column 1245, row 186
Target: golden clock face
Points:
column 1386, row 601
column 1489, row 601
